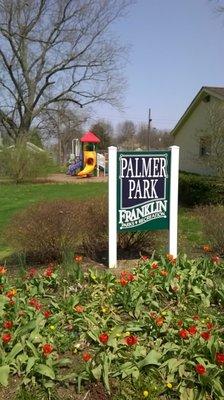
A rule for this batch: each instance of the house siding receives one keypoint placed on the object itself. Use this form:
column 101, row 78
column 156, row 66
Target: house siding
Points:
column 188, row 139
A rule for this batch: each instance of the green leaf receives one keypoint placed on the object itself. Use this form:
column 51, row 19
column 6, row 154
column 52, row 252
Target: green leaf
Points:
column 63, row 362
column 30, row 364
column 135, row 373
column 196, row 290
column 27, row 328
column 2, row 304
column 187, row 394
column 218, row 388
column 106, row 365
column 4, row 375
column 32, row 348
column 45, row 370
column 152, row 358
column 93, row 336
column 138, row 307
column 13, row 353
column 97, row 372
column 173, row 364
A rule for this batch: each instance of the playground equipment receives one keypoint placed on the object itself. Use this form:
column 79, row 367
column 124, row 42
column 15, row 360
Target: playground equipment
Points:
column 85, row 161
column 89, row 145
column 102, row 164
column 74, row 167
column 75, row 160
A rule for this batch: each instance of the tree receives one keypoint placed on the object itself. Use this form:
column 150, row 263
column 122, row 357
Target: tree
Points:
column 104, row 131
column 56, row 51
column 64, row 125
column 159, row 139
column 126, row 135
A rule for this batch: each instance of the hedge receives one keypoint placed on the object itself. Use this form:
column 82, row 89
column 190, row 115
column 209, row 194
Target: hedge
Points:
column 196, row 190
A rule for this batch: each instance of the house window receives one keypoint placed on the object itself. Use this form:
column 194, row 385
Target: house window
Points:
column 205, row 146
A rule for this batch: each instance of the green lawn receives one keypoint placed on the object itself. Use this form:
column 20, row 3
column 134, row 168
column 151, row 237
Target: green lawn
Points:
column 14, row 198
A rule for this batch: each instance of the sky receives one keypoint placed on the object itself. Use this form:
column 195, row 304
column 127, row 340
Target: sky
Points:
column 176, row 47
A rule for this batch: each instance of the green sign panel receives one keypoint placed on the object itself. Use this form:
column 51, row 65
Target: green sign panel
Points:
column 143, row 189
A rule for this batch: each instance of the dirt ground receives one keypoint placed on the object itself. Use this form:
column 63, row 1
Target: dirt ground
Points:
column 63, row 178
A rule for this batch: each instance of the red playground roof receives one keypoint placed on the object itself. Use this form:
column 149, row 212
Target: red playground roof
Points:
column 89, row 137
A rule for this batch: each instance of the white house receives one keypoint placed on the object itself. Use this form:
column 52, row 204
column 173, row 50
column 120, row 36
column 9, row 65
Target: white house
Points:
column 200, row 133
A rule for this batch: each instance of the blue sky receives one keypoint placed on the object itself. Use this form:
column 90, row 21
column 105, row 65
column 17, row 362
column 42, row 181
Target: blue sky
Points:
column 176, row 46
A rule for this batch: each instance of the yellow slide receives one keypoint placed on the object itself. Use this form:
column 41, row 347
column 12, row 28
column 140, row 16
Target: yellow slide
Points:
column 89, row 162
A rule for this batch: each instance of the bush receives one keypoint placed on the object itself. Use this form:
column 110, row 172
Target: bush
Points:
column 95, row 238
column 95, row 228
column 212, row 218
column 46, row 231
column 196, row 189
column 21, row 164
column 52, row 230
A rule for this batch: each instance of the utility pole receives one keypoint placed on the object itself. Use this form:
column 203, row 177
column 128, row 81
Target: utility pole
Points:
column 149, row 128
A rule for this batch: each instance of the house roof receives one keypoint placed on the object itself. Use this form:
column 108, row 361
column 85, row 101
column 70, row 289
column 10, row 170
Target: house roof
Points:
column 89, row 137
column 205, row 91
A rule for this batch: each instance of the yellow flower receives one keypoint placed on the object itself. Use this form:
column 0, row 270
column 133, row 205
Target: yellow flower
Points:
column 127, row 334
column 145, row 393
column 52, row 327
column 169, row 385
column 104, row 309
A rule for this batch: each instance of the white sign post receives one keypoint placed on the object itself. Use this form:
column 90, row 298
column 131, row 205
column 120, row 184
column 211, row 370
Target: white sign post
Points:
column 112, row 205
column 156, row 184
column 173, row 217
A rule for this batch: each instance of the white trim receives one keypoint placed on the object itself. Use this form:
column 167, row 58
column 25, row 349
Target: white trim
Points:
column 112, row 205
column 173, row 211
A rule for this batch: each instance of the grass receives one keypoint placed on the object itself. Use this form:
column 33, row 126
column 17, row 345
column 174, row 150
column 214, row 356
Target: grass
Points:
column 14, row 198
column 190, row 231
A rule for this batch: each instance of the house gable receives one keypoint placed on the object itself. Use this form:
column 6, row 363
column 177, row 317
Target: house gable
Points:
column 203, row 95
column 193, row 131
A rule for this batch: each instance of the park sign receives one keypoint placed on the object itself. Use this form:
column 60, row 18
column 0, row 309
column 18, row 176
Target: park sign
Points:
column 143, row 194
column 143, row 190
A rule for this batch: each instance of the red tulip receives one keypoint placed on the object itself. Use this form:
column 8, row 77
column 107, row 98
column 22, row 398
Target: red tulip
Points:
column 6, row 337
column 131, row 340
column 79, row 309
column 8, row 324
column 200, row 369
column 103, row 337
column 183, row 333
column 47, row 314
column 206, row 335
column 192, row 330
column 47, row 348
column 86, row 357
column 220, row 358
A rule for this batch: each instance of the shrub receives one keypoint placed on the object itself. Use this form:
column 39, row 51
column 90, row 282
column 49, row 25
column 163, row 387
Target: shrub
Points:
column 95, row 228
column 21, row 164
column 95, row 237
column 195, row 190
column 212, row 218
column 46, row 231
column 54, row 230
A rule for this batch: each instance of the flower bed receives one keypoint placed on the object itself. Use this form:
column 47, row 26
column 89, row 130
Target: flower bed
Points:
column 154, row 332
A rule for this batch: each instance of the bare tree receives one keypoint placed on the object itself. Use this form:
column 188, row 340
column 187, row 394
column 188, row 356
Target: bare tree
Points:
column 159, row 139
column 55, row 51
column 64, row 125
column 126, row 135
